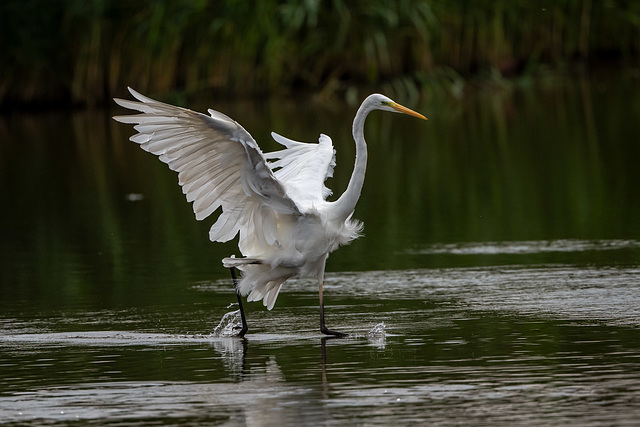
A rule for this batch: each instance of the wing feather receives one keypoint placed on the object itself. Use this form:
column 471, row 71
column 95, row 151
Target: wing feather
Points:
column 219, row 165
column 303, row 168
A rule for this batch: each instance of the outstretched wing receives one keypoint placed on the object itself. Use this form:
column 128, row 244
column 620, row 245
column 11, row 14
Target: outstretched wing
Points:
column 219, row 165
column 303, row 168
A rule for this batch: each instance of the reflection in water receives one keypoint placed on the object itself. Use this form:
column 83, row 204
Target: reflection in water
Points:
column 234, row 354
column 259, row 394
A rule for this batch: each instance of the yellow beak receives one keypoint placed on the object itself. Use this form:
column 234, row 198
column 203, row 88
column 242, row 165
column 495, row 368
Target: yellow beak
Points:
column 404, row 110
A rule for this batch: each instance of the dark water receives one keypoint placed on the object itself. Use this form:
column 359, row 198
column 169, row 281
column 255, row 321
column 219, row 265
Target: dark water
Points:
column 498, row 282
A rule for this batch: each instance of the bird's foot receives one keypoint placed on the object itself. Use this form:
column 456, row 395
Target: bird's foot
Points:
column 327, row 331
column 241, row 330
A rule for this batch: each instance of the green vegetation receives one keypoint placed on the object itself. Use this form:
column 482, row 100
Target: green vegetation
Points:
column 82, row 51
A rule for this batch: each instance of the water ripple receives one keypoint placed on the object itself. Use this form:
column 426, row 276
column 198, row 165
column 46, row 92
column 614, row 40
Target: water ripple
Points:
column 523, row 247
column 610, row 295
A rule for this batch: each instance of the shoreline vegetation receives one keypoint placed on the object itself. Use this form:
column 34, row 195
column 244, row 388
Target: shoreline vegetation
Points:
column 80, row 53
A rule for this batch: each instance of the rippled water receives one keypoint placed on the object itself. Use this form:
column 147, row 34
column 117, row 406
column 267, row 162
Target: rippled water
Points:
column 552, row 345
column 498, row 282
column 530, row 247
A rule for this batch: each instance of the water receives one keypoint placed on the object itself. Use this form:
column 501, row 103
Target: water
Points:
column 498, row 282
column 552, row 345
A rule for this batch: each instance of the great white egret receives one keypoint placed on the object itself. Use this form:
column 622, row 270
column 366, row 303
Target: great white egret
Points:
column 276, row 201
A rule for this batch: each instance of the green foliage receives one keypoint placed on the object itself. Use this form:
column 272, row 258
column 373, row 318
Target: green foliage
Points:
column 86, row 51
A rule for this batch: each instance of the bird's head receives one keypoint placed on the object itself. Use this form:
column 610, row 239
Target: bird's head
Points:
column 381, row 102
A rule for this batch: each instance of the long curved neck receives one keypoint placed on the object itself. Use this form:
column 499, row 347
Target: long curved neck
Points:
column 346, row 203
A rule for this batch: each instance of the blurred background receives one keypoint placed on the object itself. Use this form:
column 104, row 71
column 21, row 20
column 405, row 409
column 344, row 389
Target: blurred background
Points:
column 82, row 53
column 532, row 135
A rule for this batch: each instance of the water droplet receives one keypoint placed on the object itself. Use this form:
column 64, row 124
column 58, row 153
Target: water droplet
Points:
column 377, row 331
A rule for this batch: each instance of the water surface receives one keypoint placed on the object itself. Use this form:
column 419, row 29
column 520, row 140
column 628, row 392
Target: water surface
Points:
column 498, row 282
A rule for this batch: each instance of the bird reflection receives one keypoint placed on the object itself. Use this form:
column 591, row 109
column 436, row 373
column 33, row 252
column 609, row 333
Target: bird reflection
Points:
column 234, row 355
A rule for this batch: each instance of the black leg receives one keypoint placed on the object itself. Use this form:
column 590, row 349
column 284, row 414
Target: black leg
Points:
column 242, row 316
column 323, row 327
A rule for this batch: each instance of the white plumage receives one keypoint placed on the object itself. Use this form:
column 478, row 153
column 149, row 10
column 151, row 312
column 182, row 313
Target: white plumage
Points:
column 275, row 201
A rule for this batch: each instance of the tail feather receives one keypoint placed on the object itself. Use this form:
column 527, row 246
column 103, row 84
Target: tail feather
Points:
column 238, row 262
column 268, row 293
column 260, row 281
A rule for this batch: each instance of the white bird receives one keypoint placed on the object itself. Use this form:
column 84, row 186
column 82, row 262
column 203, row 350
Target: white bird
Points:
column 276, row 201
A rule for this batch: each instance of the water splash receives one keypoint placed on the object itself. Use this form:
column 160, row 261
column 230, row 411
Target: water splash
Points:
column 377, row 331
column 229, row 325
column 377, row 336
